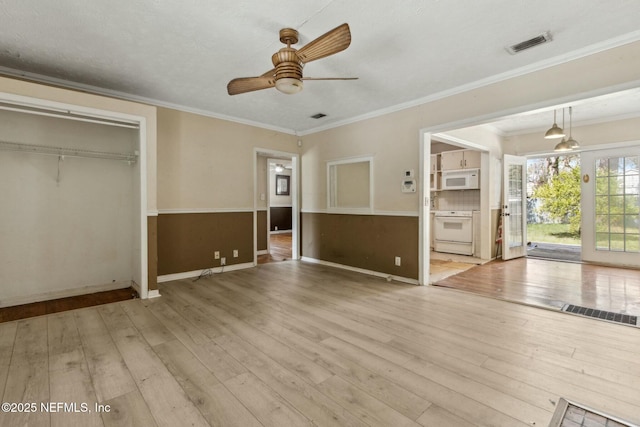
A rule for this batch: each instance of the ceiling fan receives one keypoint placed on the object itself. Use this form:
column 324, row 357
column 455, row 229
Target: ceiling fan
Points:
column 288, row 62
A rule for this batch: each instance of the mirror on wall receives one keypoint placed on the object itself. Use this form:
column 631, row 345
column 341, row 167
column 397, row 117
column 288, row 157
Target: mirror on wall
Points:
column 350, row 184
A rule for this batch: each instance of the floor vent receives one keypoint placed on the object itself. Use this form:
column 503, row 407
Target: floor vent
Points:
column 601, row 314
column 569, row 413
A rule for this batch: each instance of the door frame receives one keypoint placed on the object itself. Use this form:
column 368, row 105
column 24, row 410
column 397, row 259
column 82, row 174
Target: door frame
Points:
column 295, row 198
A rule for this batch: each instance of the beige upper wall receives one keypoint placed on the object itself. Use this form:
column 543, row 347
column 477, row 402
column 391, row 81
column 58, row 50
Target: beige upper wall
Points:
column 207, row 163
column 587, row 136
column 34, row 90
column 393, row 139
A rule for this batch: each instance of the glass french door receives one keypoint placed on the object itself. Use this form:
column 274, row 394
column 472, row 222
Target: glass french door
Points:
column 514, row 208
column 611, row 206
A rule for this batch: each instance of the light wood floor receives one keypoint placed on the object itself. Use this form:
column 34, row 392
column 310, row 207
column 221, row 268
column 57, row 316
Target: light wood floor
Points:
column 295, row 344
column 553, row 283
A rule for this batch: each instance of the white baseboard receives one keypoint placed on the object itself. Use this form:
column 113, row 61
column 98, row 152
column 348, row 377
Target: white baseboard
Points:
column 263, row 252
column 361, row 270
column 46, row 296
column 281, row 231
column 196, row 273
column 154, row 293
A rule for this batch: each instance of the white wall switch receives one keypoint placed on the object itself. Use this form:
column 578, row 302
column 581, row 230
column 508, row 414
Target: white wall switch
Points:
column 235, row 253
column 223, row 261
column 216, row 255
column 398, row 261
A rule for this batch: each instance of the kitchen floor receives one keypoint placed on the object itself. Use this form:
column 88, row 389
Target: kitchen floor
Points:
column 443, row 265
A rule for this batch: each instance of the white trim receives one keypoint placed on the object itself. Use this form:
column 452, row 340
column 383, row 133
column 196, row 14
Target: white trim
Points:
column 281, row 231
column 152, row 213
column 202, row 210
column 263, row 252
column 518, row 72
column 196, row 273
column 154, row 293
column 45, row 296
column 262, row 209
column 360, row 270
column 280, row 206
column 364, row 212
column 331, row 185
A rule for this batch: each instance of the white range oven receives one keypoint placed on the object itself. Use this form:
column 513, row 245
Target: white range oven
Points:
column 453, row 232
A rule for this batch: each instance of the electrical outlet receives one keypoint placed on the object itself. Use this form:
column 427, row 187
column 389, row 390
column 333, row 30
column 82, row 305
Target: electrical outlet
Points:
column 216, row 255
column 235, row 253
column 398, row 261
column 223, row 261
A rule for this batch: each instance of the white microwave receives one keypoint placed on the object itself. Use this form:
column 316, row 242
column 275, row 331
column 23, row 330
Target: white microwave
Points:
column 467, row 179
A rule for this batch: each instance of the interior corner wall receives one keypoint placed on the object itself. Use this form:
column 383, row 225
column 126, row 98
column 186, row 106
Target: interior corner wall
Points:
column 206, row 189
column 393, row 139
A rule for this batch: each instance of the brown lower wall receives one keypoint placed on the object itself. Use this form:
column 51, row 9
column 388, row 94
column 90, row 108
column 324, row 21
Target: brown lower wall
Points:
column 263, row 233
column 187, row 242
column 370, row 242
column 152, row 252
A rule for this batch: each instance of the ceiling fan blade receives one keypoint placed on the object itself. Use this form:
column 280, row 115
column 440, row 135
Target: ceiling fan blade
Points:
column 249, row 84
column 330, row 78
column 327, row 44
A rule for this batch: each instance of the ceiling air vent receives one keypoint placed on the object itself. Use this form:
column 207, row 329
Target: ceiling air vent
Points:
column 318, row 116
column 528, row 44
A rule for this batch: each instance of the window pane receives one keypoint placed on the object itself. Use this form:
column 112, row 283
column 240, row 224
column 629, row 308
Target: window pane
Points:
column 602, row 186
column 602, row 167
column 617, row 242
column 602, row 223
column 616, row 205
column 633, row 243
column 616, row 185
column 602, row 241
column 631, row 184
column 631, row 165
column 631, row 224
column 631, row 204
column 602, row 204
column 616, row 166
column 616, row 222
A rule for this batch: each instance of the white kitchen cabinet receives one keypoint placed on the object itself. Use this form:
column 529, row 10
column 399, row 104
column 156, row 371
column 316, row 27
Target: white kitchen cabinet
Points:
column 436, row 175
column 460, row 159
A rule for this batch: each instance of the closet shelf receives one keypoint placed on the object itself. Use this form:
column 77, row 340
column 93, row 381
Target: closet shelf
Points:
column 70, row 152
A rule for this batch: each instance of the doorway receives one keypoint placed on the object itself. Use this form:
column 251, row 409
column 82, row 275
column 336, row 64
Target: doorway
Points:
column 276, row 228
column 553, row 208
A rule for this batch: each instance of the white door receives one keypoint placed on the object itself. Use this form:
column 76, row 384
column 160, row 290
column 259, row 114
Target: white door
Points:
column 514, row 208
column 611, row 206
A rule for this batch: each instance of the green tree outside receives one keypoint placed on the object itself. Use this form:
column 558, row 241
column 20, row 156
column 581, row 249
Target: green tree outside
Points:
column 560, row 198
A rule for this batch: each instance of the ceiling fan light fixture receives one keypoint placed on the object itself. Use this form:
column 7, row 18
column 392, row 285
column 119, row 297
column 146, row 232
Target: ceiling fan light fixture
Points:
column 279, row 168
column 289, row 85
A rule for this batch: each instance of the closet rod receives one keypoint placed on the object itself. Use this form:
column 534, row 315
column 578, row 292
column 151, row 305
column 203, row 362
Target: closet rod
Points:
column 70, row 152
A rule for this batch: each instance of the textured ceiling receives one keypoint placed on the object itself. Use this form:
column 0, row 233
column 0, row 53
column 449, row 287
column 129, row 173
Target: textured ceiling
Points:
column 182, row 54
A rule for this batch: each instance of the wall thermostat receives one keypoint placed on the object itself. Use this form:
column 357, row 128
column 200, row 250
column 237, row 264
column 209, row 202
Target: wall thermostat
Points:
column 409, row 186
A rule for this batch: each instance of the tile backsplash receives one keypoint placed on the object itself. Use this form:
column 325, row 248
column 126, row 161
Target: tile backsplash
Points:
column 457, row 200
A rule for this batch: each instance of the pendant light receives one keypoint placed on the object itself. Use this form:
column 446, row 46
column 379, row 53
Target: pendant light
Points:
column 562, row 145
column 572, row 142
column 554, row 131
